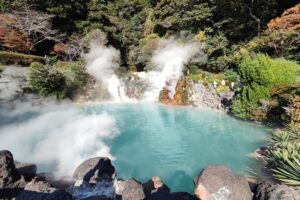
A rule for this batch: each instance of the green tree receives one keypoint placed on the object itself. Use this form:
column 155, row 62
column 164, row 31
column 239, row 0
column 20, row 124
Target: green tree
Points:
column 47, row 80
column 238, row 18
column 188, row 15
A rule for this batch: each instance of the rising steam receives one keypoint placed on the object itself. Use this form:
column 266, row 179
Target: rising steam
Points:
column 102, row 63
column 169, row 60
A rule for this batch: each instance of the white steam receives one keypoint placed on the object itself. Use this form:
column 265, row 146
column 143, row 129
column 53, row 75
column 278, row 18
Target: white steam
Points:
column 102, row 63
column 60, row 136
column 169, row 61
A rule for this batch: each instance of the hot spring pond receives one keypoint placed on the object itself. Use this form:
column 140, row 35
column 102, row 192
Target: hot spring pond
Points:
column 145, row 140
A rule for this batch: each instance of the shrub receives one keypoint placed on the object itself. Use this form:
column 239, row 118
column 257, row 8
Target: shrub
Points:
column 285, row 164
column 75, row 75
column 231, row 75
column 19, row 58
column 283, row 138
column 277, row 44
column 62, row 79
column 240, row 109
column 194, row 69
column 283, row 157
column 266, row 71
column 259, row 75
column 47, row 80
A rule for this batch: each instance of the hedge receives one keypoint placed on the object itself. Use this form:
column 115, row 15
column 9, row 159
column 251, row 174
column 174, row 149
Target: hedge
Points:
column 19, row 58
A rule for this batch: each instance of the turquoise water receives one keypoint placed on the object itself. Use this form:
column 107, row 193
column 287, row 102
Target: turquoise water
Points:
column 174, row 143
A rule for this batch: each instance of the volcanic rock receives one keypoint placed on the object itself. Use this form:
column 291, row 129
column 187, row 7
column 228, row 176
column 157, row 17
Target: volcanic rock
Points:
column 94, row 170
column 39, row 186
column 201, row 96
column 28, row 170
column 269, row 191
column 130, row 190
column 57, row 195
column 165, row 195
column 153, row 185
column 98, row 198
column 218, row 182
column 9, row 175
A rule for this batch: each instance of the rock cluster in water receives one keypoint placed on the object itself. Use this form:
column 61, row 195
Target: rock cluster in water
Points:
column 95, row 179
column 195, row 93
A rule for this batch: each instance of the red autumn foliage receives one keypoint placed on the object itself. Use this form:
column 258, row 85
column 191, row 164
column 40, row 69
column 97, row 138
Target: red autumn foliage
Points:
column 12, row 39
column 290, row 20
column 60, row 48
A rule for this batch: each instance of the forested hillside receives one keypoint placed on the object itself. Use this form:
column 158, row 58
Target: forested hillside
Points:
column 133, row 26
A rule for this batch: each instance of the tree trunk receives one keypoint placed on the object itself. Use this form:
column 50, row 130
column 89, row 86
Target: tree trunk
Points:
column 257, row 20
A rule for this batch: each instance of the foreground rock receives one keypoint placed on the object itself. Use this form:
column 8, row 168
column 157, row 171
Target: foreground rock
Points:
column 94, row 179
column 41, row 190
column 130, row 190
column 165, row 195
column 11, row 181
column 217, row 182
column 268, row 191
column 9, row 175
column 39, row 186
column 28, row 170
column 57, row 195
column 94, row 170
column 153, row 185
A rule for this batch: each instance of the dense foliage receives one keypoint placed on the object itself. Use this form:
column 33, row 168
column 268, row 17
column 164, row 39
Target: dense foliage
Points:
column 129, row 23
column 47, row 80
column 259, row 75
column 59, row 80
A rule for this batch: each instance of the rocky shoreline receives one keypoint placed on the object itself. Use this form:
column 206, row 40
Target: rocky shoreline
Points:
column 95, row 179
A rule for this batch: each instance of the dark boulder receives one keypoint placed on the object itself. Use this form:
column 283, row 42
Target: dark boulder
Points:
column 57, row 195
column 28, row 170
column 165, row 195
column 62, row 183
column 39, row 189
column 11, row 181
column 269, row 191
column 97, row 198
column 153, row 185
column 130, row 190
column 95, row 169
column 219, row 182
column 9, row 175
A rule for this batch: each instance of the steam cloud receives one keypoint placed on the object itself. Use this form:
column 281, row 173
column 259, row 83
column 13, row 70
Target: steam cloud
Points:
column 102, row 63
column 169, row 61
column 61, row 137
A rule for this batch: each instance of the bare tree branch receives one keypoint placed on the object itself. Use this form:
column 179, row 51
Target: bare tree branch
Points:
column 36, row 25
